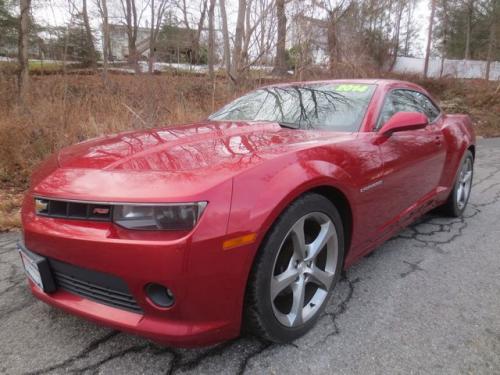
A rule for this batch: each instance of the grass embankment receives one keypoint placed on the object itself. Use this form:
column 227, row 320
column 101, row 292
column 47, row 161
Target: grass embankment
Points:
column 62, row 110
column 478, row 98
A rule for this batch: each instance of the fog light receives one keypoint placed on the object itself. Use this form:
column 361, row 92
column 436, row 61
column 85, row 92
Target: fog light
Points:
column 160, row 295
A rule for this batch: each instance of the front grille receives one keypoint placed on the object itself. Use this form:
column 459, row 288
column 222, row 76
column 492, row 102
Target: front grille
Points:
column 100, row 287
column 73, row 210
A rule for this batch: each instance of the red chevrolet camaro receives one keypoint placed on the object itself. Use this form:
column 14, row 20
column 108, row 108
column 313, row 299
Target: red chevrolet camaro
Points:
column 187, row 234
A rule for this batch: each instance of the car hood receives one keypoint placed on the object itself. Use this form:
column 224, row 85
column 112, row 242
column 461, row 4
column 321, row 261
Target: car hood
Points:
column 188, row 148
column 174, row 161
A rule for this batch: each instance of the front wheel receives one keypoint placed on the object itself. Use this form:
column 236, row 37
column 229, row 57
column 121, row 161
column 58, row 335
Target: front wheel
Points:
column 459, row 196
column 297, row 266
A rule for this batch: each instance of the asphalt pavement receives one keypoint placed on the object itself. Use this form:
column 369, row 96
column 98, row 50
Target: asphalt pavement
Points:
column 426, row 302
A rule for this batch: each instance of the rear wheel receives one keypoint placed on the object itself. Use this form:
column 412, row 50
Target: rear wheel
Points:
column 297, row 266
column 459, row 196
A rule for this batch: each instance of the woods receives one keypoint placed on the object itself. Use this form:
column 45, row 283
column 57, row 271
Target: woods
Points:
column 290, row 36
column 468, row 29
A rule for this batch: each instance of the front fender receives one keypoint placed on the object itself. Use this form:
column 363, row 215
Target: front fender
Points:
column 260, row 195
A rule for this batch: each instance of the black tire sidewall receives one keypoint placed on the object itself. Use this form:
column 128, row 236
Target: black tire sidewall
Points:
column 264, row 268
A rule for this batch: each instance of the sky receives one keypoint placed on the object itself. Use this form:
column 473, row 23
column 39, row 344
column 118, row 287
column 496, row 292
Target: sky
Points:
column 55, row 12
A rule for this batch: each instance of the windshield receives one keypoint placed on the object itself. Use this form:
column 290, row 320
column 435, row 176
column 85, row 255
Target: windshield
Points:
column 333, row 106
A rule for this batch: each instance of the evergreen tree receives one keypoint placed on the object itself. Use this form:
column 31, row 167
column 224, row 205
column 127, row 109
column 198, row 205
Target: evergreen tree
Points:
column 464, row 28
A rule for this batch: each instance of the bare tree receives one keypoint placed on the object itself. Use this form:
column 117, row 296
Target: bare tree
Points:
column 400, row 7
column 195, row 37
column 492, row 40
column 256, row 13
column 225, row 36
column 152, row 47
column 336, row 10
column 157, row 13
column 409, row 30
column 444, row 41
column 280, row 61
column 132, row 20
column 89, row 37
column 429, row 38
column 238, row 40
column 469, row 4
column 103, row 10
column 24, row 26
column 211, row 39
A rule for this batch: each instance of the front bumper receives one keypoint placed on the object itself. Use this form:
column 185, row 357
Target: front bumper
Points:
column 181, row 334
column 208, row 282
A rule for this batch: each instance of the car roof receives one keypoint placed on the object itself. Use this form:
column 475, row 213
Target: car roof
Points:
column 380, row 82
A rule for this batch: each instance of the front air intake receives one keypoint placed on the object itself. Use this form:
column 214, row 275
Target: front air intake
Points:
column 97, row 286
column 73, row 210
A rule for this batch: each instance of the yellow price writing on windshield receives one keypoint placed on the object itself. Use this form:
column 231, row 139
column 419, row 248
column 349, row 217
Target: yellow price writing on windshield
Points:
column 351, row 88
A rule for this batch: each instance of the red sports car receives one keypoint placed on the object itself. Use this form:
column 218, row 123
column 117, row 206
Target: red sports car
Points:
column 187, row 234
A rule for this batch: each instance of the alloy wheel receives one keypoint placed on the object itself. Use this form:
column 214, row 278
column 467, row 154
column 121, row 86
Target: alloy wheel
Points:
column 464, row 184
column 304, row 269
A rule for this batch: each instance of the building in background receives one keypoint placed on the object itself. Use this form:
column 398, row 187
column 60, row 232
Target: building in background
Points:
column 174, row 44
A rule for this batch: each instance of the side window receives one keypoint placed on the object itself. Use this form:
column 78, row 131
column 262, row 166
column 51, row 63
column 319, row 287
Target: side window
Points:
column 428, row 107
column 407, row 101
column 397, row 101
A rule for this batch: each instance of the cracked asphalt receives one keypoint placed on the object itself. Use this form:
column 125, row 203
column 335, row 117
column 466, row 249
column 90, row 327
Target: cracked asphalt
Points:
column 427, row 301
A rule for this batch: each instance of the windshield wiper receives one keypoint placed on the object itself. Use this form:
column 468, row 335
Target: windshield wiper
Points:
column 289, row 125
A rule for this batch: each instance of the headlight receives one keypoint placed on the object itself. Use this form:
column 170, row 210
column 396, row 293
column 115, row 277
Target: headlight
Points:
column 178, row 216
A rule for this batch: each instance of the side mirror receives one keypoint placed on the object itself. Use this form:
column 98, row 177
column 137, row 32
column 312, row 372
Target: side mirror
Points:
column 402, row 121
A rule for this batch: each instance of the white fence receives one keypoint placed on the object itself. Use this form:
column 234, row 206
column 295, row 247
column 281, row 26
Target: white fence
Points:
column 454, row 68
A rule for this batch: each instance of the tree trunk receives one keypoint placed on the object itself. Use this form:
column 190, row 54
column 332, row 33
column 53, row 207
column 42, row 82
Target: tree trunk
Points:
column 280, row 67
column 106, row 42
column 152, row 39
column 211, row 39
column 238, row 40
column 332, row 43
column 247, row 34
column 194, row 57
column 408, row 28
column 445, row 36
column 225, row 36
column 24, row 25
column 133, row 59
column 429, row 39
column 395, row 51
column 468, row 29
column 492, row 40
column 131, row 22
column 89, row 37
column 201, row 22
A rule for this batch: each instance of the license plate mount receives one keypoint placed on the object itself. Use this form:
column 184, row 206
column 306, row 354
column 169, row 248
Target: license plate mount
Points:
column 37, row 269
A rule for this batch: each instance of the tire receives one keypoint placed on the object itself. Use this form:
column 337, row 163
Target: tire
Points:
column 459, row 196
column 288, row 268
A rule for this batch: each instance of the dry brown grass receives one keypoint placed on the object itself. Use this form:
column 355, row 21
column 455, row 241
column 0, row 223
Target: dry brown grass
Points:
column 62, row 110
column 478, row 98
column 10, row 202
